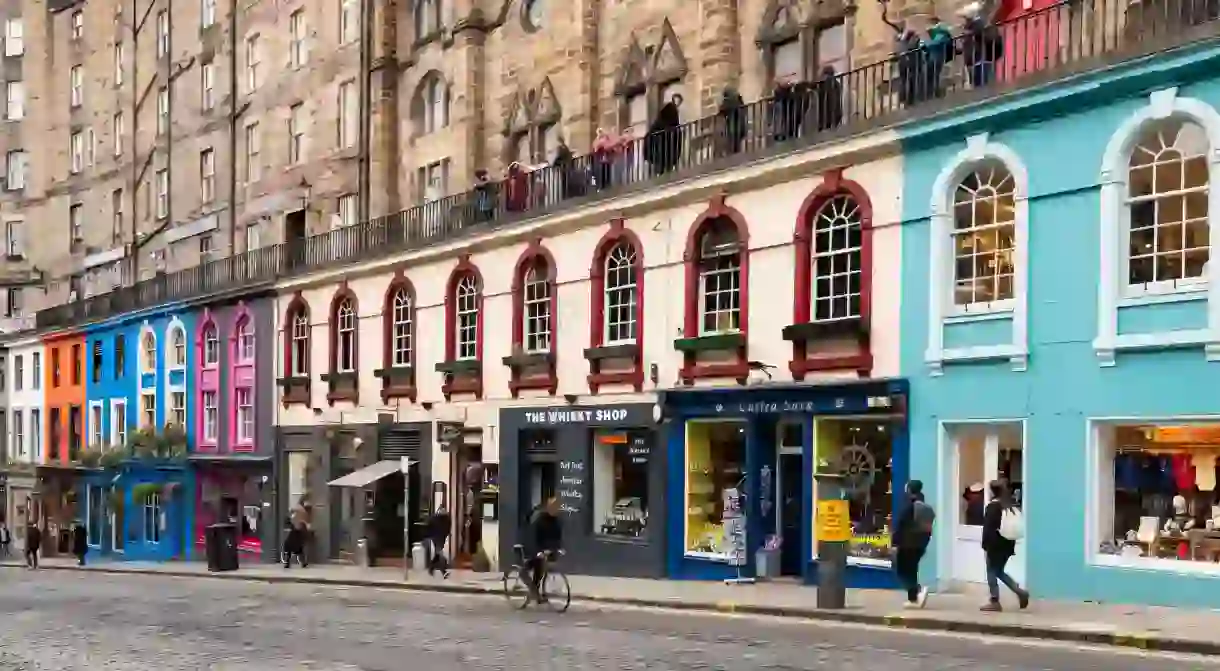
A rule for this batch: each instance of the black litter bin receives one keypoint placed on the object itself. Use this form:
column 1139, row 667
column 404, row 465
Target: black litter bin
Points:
column 221, row 547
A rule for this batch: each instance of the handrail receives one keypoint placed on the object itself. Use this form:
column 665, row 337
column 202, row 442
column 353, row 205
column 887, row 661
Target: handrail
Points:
column 1038, row 44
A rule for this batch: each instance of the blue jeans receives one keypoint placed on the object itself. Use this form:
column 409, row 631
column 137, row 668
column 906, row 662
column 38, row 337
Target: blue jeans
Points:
column 997, row 575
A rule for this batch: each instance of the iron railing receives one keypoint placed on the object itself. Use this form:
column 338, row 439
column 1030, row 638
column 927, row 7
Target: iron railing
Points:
column 1068, row 37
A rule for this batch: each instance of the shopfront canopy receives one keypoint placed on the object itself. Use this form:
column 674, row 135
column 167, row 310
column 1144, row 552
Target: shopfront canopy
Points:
column 368, row 475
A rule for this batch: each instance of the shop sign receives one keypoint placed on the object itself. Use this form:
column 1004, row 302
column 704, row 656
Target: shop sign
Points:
column 881, row 403
column 557, row 416
column 571, row 487
column 834, row 523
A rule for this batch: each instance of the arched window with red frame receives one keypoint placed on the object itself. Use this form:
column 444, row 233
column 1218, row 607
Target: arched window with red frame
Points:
column 463, row 364
column 343, row 378
column 833, row 284
column 616, row 307
column 715, row 340
column 535, row 322
column 397, row 370
column 295, row 380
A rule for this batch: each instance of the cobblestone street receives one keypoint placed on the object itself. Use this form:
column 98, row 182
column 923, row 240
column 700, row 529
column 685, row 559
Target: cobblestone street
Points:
column 68, row 621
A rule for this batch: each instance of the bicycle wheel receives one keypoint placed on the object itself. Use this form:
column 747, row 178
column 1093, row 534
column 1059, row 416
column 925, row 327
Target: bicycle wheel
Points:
column 558, row 592
column 515, row 591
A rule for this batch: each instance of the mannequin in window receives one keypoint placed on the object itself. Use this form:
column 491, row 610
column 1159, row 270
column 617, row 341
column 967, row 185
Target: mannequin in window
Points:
column 663, row 147
column 731, row 122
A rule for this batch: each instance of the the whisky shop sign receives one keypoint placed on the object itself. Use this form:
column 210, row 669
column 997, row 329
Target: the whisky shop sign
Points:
column 607, row 415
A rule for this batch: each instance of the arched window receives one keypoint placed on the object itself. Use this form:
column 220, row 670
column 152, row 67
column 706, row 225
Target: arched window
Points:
column 984, row 239
column 345, row 340
column 431, row 104
column 245, row 340
column 211, row 346
column 298, row 342
column 719, row 266
column 537, row 325
column 1166, row 200
column 466, row 334
column 621, row 295
column 177, row 345
column 427, row 17
column 148, row 351
column 837, row 260
column 401, row 328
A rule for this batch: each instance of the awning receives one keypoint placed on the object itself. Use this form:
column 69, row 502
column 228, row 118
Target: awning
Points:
column 368, row 475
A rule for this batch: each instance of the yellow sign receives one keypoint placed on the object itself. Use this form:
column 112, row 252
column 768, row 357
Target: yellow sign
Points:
column 834, row 523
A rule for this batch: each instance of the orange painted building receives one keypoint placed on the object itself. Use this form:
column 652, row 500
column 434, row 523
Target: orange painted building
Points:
column 64, row 410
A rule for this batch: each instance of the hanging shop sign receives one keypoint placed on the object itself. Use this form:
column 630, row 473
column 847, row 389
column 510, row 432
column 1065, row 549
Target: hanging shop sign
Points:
column 834, row 522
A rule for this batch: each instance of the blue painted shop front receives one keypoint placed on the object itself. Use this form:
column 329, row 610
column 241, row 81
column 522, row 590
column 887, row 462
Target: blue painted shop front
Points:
column 1067, row 367
column 138, row 511
column 766, row 442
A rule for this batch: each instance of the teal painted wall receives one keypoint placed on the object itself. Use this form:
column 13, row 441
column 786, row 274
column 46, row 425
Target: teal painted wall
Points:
column 1060, row 134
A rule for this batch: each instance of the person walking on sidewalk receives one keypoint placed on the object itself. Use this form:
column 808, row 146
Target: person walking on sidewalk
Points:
column 33, row 541
column 80, row 542
column 6, row 540
column 912, row 534
column 1002, row 528
column 438, row 535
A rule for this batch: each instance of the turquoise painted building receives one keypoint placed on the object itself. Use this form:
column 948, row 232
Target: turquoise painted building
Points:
column 139, row 373
column 1061, row 328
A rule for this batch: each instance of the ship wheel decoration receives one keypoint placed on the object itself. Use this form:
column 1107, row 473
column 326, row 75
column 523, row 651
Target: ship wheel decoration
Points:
column 858, row 467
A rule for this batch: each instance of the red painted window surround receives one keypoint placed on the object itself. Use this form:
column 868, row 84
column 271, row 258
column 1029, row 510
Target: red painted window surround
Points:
column 463, row 383
column 343, row 386
column 533, row 255
column 295, row 390
column 739, row 367
column 397, row 384
column 207, row 380
column 803, row 361
column 241, row 377
column 618, row 234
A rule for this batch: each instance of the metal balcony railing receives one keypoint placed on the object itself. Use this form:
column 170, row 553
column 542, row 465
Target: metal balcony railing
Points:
column 1071, row 36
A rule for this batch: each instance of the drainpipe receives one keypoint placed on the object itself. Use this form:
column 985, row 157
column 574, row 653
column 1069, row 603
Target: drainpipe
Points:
column 366, row 108
column 233, row 127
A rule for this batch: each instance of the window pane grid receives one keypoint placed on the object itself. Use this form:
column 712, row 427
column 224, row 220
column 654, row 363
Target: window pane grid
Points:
column 300, row 345
column 402, row 328
column 720, row 294
column 836, row 260
column 245, row 416
column 621, row 295
column 1168, row 182
column 467, row 296
column 347, row 337
column 984, row 238
column 537, row 310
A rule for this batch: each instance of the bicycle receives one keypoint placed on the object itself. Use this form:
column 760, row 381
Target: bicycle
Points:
column 553, row 588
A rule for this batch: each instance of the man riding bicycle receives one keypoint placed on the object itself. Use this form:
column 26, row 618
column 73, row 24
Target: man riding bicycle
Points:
column 546, row 536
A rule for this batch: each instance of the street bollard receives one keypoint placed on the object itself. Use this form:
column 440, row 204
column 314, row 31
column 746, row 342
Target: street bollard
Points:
column 834, row 536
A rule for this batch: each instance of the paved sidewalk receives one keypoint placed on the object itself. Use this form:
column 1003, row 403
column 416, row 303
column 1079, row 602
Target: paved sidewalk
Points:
column 1153, row 628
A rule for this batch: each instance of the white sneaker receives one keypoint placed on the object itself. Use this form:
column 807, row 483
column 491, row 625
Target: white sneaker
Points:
column 923, row 598
column 910, row 605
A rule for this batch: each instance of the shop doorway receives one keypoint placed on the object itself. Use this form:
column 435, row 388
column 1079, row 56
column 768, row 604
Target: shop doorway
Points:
column 974, row 455
column 392, row 513
column 791, row 497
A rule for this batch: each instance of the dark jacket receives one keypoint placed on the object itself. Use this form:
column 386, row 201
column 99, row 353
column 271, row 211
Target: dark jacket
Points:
column 80, row 544
column 983, row 43
column 830, row 99
column 438, row 528
column 732, row 121
column 33, row 537
column 995, row 545
column 907, row 533
column 663, row 146
column 546, row 531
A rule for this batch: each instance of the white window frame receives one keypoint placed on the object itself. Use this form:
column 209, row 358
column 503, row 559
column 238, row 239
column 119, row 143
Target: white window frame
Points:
column 466, row 300
column 18, row 440
column 349, row 21
column 296, row 133
column 16, row 166
column 842, row 212
column 538, row 328
column 349, row 114
column 96, row 425
column 346, row 335
column 118, row 422
column 210, row 400
column 162, row 33
column 162, row 110
column 14, row 100
column 346, row 208
column 298, row 44
column 148, row 402
column 207, row 86
column 119, row 128
column 705, row 274
column 207, row 175
column 245, row 340
column 14, row 39
column 207, row 13
column 78, row 24
column 243, row 402
column 979, row 149
column 435, row 102
column 300, row 344
column 620, row 264
column 401, row 329
column 76, row 149
column 36, row 371
column 1112, row 294
column 175, row 414
column 148, row 351
column 162, row 183
column 211, row 345
column 254, row 148
column 76, row 86
column 35, row 432
column 76, row 225
column 254, row 61
column 120, row 61
column 175, row 352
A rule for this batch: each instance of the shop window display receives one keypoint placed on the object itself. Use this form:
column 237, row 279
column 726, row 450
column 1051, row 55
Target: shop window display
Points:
column 620, row 483
column 715, row 465
column 862, row 450
column 1158, row 499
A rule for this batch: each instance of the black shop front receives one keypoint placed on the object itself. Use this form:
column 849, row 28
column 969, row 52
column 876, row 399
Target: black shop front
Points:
column 607, row 470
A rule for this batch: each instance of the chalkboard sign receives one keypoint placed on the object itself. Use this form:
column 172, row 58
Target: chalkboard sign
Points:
column 571, row 490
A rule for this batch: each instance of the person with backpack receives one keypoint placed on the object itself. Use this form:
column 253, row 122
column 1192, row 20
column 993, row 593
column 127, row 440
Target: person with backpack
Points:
column 1003, row 526
column 912, row 534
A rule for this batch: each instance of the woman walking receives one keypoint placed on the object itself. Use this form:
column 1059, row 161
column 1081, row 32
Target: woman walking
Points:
column 1000, row 544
